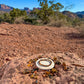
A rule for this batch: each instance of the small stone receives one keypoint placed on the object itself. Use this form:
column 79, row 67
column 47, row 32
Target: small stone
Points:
column 58, row 79
column 35, row 82
column 7, row 59
column 32, row 71
column 29, row 62
column 35, row 59
column 35, row 77
column 39, row 56
column 26, row 71
column 54, row 70
column 58, row 74
column 72, row 82
column 35, row 72
column 58, row 62
column 50, row 75
column 32, row 76
column 64, row 66
column 35, row 69
column 54, row 58
column 43, row 75
column 47, row 72
column 29, row 65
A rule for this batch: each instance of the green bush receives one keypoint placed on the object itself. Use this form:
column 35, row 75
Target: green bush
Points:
column 76, row 22
column 30, row 21
column 57, row 23
column 15, row 16
column 47, row 10
column 1, row 18
column 19, row 20
column 7, row 17
column 17, row 13
column 81, row 29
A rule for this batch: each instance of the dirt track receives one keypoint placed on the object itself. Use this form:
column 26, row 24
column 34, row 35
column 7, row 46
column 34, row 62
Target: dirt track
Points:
column 19, row 40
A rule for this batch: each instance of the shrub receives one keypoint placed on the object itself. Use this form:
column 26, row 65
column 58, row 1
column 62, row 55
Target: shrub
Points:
column 76, row 22
column 7, row 17
column 19, row 20
column 81, row 29
column 58, row 20
column 30, row 20
column 57, row 23
column 15, row 16
column 17, row 13
column 48, row 8
column 1, row 18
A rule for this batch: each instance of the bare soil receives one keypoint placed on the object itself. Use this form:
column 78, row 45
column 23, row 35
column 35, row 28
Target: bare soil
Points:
column 69, row 71
column 20, row 40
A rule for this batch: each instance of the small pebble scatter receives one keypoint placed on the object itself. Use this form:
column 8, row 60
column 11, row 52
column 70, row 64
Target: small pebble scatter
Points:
column 33, row 71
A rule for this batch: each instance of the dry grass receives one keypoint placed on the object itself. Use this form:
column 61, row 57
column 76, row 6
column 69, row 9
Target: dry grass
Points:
column 58, row 23
column 82, row 29
column 19, row 20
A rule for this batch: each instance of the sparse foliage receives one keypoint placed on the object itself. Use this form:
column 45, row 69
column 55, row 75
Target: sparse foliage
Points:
column 48, row 8
column 13, row 16
column 7, row 17
column 17, row 13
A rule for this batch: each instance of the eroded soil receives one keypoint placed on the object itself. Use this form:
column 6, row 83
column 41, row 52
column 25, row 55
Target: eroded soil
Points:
column 21, row 40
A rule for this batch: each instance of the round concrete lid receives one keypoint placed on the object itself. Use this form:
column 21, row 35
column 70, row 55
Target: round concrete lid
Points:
column 45, row 63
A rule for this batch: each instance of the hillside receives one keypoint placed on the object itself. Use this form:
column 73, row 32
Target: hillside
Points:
column 73, row 15
column 6, row 8
column 81, row 12
column 18, row 40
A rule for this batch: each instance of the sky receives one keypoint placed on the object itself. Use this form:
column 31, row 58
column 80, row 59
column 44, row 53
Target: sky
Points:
column 74, row 5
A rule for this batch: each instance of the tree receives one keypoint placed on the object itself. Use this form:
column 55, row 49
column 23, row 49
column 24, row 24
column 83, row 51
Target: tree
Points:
column 7, row 17
column 24, row 13
column 17, row 13
column 48, row 8
column 1, row 18
column 13, row 13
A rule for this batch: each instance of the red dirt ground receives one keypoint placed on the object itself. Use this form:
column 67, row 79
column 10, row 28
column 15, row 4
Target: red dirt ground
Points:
column 19, row 40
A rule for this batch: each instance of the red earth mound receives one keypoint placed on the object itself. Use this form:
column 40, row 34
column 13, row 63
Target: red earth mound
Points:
column 21, row 40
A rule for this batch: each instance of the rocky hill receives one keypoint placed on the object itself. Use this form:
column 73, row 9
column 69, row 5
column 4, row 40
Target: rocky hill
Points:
column 70, row 14
column 81, row 12
column 5, row 8
column 73, row 15
column 9, row 8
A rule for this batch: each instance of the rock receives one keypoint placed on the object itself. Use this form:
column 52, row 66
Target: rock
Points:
column 3, row 32
column 8, row 59
column 72, row 82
